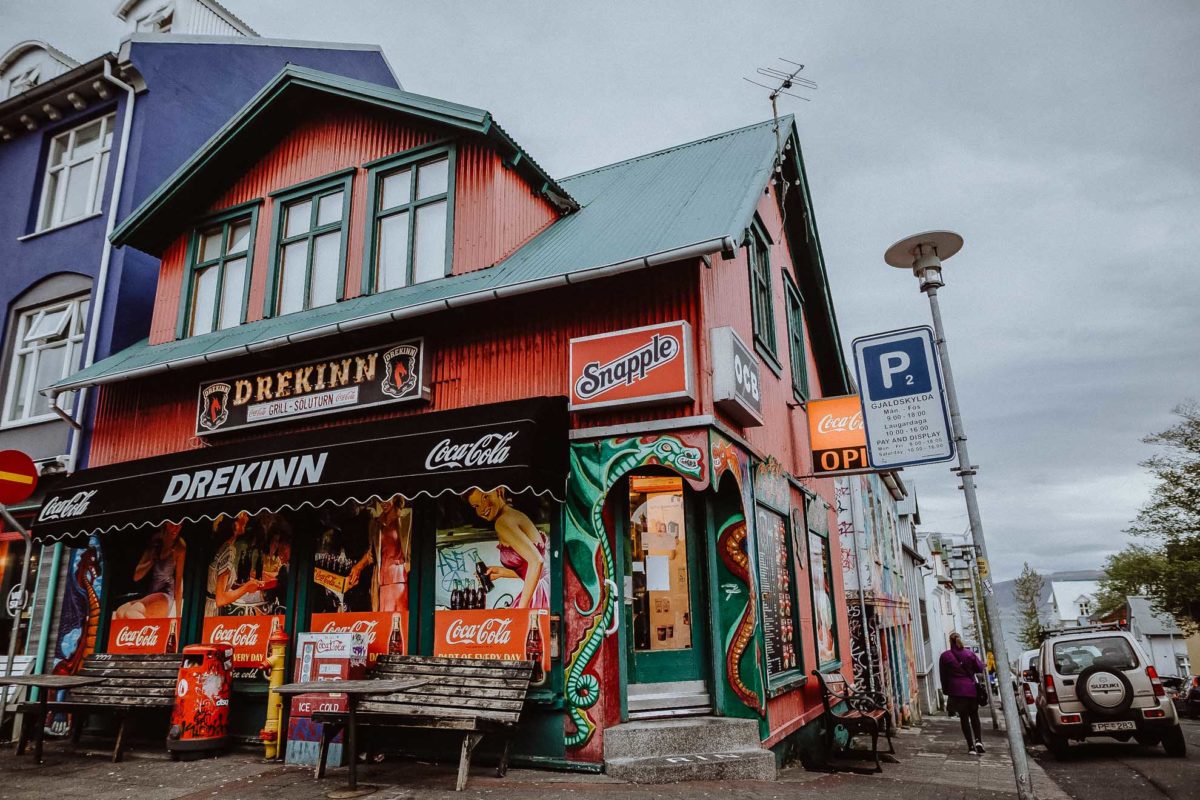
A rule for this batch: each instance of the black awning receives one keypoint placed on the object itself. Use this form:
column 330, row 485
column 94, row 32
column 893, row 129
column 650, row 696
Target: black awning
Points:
column 520, row 445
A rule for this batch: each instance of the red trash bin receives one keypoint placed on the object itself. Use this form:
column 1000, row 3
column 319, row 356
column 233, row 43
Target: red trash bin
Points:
column 200, row 719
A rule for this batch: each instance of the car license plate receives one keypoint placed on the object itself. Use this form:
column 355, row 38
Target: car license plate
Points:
column 1101, row 727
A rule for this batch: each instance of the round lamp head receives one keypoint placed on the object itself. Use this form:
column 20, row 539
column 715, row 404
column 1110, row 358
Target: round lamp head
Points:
column 924, row 254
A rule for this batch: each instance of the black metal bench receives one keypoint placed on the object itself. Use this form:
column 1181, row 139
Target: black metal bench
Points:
column 471, row 696
column 864, row 712
column 132, row 683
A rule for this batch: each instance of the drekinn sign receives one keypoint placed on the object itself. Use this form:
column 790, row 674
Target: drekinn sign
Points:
column 632, row 367
column 390, row 374
column 903, row 402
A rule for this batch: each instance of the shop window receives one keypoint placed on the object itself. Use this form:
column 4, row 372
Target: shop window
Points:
column 778, row 582
column 73, row 187
column 147, row 590
column 795, row 311
column 761, row 301
column 361, row 572
column 310, row 245
column 47, row 341
column 409, row 236
column 662, row 610
column 820, row 563
column 218, row 278
column 492, row 577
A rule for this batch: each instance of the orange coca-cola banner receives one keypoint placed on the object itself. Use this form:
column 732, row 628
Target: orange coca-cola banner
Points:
column 143, row 635
column 386, row 632
column 248, row 636
column 510, row 634
column 836, row 436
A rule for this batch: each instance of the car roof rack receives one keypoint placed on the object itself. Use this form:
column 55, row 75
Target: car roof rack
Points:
column 1050, row 633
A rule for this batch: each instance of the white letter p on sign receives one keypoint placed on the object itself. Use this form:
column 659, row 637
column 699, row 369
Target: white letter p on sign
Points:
column 891, row 364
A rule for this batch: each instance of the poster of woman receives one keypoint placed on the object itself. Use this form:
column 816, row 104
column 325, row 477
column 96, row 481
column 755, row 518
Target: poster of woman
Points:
column 521, row 547
column 161, row 568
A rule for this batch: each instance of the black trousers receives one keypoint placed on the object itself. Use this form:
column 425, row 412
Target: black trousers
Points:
column 967, row 709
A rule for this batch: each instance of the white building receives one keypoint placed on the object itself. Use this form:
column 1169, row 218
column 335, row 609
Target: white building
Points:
column 204, row 17
column 943, row 611
column 1159, row 636
column 1072, row 603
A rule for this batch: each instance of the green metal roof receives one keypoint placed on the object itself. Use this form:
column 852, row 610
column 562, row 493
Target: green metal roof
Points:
column 288, row 96
column 680, row 202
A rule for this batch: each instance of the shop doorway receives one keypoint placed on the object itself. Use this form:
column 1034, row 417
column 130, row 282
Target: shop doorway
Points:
column 664, row 599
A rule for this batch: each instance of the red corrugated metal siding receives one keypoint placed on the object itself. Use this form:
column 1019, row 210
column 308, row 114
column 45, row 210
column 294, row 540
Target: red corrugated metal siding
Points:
column 495, row 210
column 504, row 350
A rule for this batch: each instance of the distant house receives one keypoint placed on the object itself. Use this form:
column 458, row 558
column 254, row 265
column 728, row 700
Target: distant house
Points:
column 1159, row 636
column 1072, row 603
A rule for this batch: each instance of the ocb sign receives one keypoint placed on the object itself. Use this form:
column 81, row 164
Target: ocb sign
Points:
column 736, row 385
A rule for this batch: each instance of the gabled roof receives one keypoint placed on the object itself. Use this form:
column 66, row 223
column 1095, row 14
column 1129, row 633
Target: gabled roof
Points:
column 1067, row 594
column 257, row 125
column 1150, row 622
column 123, row 8
column 19, row 49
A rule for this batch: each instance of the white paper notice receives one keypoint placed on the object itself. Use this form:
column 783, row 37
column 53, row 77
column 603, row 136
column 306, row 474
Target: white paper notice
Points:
column 658, row 573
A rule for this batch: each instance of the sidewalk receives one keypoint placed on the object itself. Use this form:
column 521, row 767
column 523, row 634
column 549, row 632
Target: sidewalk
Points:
column 931, row 764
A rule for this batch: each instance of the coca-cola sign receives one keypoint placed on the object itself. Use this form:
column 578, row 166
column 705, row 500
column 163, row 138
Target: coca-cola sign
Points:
column 837, row 439
column 636, row 366
column 143, row 635
column 67, row 507
column 248, row 636
column 508, row 634
column 382, row 631
column 488, row 450
column 488, row 632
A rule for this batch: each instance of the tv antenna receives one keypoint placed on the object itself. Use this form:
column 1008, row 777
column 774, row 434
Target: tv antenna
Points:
column 782, row 79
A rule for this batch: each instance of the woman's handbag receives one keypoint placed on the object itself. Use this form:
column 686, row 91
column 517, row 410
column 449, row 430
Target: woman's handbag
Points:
column 981, row 692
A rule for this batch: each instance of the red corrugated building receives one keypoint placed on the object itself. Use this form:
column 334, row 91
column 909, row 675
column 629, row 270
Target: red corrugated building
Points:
column 400, row 380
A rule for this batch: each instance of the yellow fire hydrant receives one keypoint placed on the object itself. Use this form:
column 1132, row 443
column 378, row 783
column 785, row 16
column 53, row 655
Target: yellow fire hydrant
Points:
column 270, row 734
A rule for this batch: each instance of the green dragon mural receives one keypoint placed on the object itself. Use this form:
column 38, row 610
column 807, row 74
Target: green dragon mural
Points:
column 595, row 468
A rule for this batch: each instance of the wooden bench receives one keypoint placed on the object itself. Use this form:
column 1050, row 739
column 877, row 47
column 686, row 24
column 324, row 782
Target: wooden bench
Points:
column 471, row 696
column 864, row 712
column 131, row 683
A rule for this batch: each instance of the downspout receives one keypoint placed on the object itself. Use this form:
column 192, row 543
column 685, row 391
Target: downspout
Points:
column 89, row 355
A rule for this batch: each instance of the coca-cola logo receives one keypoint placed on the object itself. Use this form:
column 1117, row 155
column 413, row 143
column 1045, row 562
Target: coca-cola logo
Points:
column 145, row 636
column 244, row 635
column 831, row 424
column 489, row 450
column 367, row 627
column 67, row 507
column 628, row 368
column 491, row 632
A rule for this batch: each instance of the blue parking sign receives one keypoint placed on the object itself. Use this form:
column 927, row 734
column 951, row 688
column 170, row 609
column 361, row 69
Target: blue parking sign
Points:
column 904, row 407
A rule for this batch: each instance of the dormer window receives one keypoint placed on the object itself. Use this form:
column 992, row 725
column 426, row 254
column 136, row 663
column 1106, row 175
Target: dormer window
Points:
column 409, row 233
column 219, row 274
column 157, row 21
column 24, row 81
column 310, row 245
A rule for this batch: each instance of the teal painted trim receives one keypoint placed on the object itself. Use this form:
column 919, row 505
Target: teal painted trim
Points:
column 720, row 691
column 379, row 169
column 143, row 227
column 828, row 666
column 222, row 217
column 314, row 188
column 763, row 317
column 799, row 359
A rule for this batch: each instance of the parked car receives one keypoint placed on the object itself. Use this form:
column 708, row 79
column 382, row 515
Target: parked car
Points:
column 1025, row 686
column 1185, row 694
column 1097, row 682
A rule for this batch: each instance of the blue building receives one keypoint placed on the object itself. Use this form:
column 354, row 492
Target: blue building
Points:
column 81, row 145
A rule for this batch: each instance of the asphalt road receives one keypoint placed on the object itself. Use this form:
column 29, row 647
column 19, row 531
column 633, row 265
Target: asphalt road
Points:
column 1105, row 769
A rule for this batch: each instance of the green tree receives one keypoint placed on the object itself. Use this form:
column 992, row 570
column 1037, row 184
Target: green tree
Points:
column 1028, row 592
column 1167, row 567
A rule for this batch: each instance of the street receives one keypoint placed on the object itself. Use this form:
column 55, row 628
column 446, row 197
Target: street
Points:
column 1111, row 770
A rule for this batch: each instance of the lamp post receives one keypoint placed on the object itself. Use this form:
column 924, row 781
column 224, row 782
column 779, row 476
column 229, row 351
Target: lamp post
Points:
column 923, row 254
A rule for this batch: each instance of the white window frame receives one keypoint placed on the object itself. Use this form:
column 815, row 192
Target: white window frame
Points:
column 50, row 211
column 153, row 22
column 75, row 327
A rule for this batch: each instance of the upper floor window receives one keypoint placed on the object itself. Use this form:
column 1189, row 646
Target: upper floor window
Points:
column 761, row 302
column 75, row 170
column 219, row 274
column 158, row 21
column 795, row 312
column 46, row 344
column 310, row 245
column 409, row 230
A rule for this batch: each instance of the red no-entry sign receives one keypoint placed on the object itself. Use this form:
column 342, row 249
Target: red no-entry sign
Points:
column 18, row 476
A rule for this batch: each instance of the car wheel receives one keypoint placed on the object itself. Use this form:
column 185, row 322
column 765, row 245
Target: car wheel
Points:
column 1174, row 742
column 1147, row 739
column 1058, row 746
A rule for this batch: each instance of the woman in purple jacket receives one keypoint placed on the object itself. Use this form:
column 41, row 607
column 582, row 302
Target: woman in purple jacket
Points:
column 957, row 668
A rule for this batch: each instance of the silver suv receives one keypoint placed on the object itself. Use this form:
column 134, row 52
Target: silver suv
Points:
column 1098, row 682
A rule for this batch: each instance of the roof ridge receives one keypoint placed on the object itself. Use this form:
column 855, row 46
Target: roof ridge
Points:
column 704, row 140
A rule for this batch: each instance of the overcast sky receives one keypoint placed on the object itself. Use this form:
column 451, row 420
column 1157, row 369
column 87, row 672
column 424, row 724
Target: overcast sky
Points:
column 1060, row 139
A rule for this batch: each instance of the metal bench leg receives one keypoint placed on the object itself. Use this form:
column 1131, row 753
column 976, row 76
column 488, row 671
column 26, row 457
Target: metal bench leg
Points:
column 502, row 767
column 119, row 748
column 23, row 733
column 464, row 761
column 328, row 731
column 77, row 720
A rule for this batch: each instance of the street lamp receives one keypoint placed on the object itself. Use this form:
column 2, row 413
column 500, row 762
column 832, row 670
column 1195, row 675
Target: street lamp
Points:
column 924, row 254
